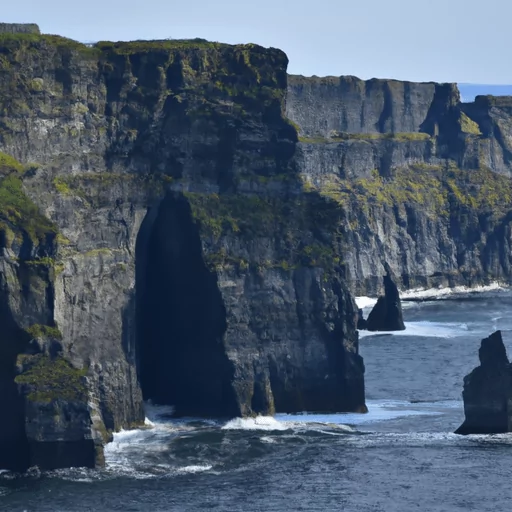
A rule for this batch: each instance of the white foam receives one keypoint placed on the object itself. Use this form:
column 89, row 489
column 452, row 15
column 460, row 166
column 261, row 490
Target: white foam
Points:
column 365, row 302
column 439, row 293
column 425, row 329
column 157, row 413
column 195, row 469
column 378, row 410
column 257, row 423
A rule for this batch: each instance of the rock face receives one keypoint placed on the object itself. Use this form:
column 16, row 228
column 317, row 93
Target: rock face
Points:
column 423, row 180
column 157, row 242
column 488, row 391
column 387, row 314
column 19, row 28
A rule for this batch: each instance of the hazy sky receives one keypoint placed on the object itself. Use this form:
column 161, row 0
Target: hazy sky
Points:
column 441, row 40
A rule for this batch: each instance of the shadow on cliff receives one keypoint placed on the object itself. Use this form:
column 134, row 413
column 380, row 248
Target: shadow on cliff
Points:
column 180, row 316
column 14, row 446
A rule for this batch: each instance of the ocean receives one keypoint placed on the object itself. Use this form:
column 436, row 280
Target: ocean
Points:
column 401, row 456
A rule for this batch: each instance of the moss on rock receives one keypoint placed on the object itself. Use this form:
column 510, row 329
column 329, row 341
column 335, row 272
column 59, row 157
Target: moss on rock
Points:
column 17, row 211
column 44, row 331
column 46, row 379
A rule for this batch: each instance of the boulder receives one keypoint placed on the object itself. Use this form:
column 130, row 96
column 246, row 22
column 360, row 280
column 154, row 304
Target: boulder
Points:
column 387, row 315
column 488, row 391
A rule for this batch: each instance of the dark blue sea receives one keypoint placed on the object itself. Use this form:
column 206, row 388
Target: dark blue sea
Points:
column 401, row 456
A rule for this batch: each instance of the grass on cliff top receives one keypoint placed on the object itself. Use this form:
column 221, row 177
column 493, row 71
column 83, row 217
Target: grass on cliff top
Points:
column 143, row 46
column 48, row 379
column 17, row 210
column 35, row 40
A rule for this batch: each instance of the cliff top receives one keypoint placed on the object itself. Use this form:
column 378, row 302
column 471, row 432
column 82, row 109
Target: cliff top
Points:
column 19, row 28
column 335, row 80
column 29, row 35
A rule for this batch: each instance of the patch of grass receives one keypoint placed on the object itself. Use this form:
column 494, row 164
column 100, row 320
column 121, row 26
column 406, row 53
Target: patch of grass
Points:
column 36, row 41
column 44, row 331
column 46, row 379
column 8, row 164
column 467, row 125
column 437, row 190
column 142, row 46
column 16, row 209
column 342, row 136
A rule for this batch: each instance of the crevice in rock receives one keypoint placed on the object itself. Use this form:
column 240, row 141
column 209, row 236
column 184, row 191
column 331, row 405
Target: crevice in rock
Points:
column 14, row 446
column 180, row 315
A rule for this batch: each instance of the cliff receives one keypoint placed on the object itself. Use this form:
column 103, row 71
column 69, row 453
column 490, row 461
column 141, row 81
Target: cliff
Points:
column 423, row 180
column 157, row 242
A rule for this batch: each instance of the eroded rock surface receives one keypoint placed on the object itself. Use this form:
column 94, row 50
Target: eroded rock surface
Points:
column 488, row 391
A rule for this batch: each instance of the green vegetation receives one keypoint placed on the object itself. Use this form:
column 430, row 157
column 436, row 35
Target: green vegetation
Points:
column 467, row 125
column 9, row 164
column 44, row 331
column 34, row 41
column 437, row 190
column 305, row 228
column 129, row 47
column 17, row 211
column 341, row 136
column 50, row 379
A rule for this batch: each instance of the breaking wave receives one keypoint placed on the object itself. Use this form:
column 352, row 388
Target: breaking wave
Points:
column 445, row 293
column 425, row 329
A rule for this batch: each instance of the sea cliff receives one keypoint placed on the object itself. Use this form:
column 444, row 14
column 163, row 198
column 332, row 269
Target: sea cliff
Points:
column 183, row 222
column 423, row 179
column 157, row 242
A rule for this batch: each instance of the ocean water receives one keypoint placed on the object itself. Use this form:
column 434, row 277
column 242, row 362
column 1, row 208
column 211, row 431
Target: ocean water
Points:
column 401, row 456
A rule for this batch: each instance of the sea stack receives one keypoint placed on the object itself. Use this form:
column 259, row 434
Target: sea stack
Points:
column 488, row 391
column 387, row 315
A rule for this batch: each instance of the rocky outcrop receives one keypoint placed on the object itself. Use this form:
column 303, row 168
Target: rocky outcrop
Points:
column 488, row 391
column 19, row 28
column 348, row 105
column 423, row 180
column 387, row 314
column 157, row 242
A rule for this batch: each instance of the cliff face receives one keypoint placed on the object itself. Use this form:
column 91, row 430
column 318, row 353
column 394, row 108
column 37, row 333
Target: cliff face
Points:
column 423, row 180
column 157, row 242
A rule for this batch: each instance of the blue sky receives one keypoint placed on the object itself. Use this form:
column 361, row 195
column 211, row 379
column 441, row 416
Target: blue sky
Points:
column 441, row 40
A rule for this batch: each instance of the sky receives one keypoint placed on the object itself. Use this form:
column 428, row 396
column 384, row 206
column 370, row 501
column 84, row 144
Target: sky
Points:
column 440, row 40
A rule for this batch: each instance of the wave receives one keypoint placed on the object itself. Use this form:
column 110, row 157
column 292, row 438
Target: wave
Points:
column 427, row 294
column 258, row 423
column 424, row 329
column 195, row 468
column 365, row 302
column 445, row 293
